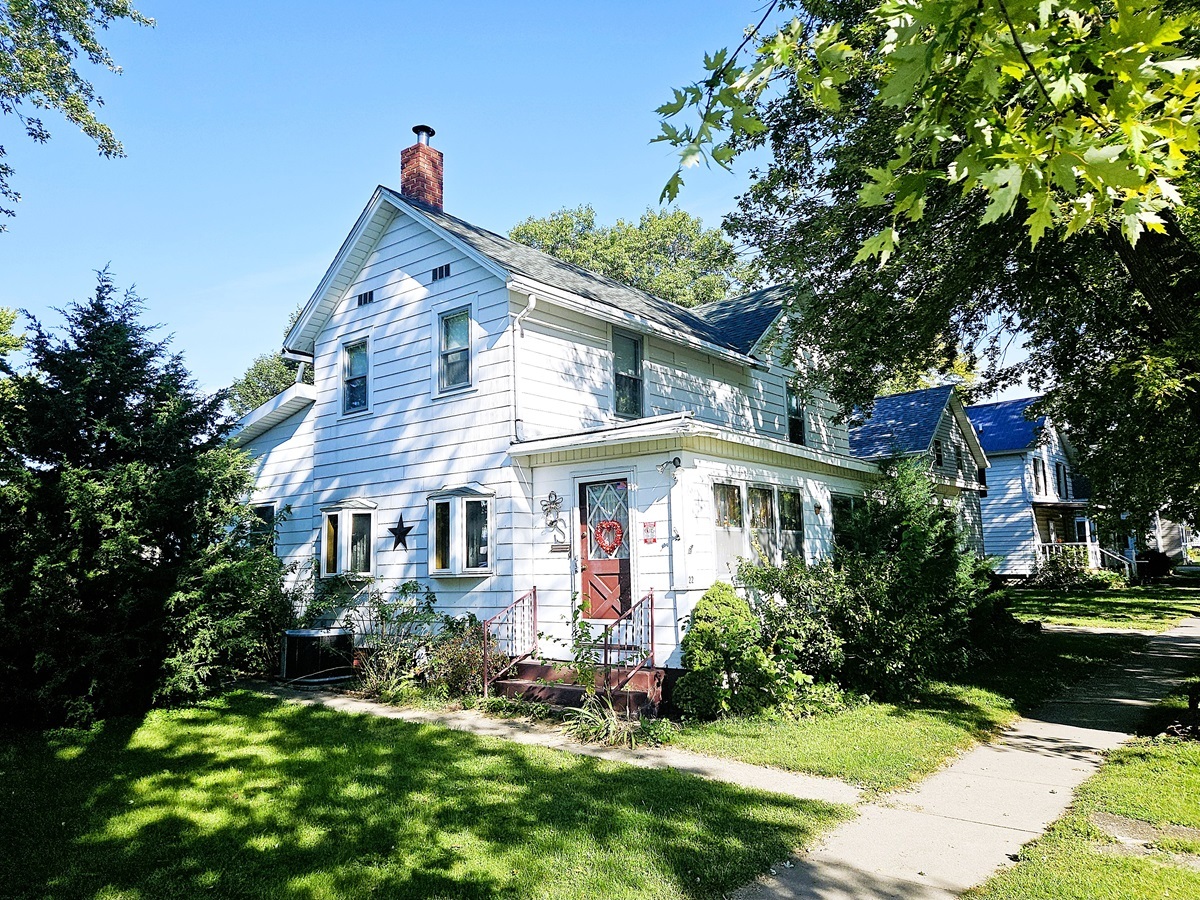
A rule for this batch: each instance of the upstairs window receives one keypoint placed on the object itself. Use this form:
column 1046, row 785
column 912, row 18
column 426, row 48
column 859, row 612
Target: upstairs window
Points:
column 1039, row 475
column 938, row 458
column 347, row 539
column 627, row 375
column 454, row 350
column 1060, row 479
column 356, row 365
column 797, row 427
column 461, row 532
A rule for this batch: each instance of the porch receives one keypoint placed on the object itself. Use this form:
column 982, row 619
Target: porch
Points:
column 1087, row 554
column 616, row 657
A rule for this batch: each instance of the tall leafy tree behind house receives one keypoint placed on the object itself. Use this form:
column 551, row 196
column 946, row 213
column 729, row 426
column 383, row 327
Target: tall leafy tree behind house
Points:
column 268, row 375
column 131, row 573
column 1003, row 217
column 668, row 253
column 41, row 42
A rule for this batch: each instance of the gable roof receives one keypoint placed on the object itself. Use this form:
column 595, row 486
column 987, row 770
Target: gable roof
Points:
column 900, row 423
column 742, row 321
column 1002, row 426
column 727, row 331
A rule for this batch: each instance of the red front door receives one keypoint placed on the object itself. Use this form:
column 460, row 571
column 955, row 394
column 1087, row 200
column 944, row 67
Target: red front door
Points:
column 604, row 543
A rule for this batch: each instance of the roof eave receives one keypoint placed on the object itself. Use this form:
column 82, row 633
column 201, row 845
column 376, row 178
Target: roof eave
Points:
column 523, row 284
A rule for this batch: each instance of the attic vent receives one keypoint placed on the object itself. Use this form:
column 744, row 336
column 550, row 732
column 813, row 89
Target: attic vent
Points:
column 368, row 297
column 441, row 272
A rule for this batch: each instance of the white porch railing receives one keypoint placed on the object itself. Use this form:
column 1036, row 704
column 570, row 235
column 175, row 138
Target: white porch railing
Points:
column 1093, row 556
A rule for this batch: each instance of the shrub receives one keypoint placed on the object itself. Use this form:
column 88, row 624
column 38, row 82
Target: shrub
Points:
column 395, row 630
column 456, row 661
column 1068, row 571
column 796, row 605
column 727, row 670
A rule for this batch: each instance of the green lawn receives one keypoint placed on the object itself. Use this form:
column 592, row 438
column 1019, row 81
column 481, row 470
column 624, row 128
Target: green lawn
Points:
column 882, row 746
column 1150, row 781
column 1155, row 607
column 251, row 797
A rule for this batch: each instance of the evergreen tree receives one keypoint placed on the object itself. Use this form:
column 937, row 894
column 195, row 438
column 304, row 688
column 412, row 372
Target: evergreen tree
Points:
column 121, row 519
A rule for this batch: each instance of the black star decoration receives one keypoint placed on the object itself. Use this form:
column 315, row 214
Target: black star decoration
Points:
column 400, row 533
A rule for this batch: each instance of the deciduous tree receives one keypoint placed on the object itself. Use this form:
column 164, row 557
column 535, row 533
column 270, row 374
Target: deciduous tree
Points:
column 41, row 42
column 1111, row 327
column 667, row 253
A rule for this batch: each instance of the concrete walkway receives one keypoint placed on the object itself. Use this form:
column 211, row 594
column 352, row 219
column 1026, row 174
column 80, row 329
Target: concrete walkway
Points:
column 809, row 787
column 957, row 827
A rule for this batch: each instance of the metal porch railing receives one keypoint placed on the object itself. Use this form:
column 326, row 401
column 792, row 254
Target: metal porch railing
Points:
column 513, row 632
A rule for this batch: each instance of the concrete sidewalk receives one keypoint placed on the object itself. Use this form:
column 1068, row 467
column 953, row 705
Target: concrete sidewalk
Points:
column 808, row 787
column 958, row 826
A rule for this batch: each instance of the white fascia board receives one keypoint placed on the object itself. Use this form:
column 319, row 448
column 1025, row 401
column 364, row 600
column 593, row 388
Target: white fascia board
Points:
column 968, row 430
column 768, row 332
column 567, row 300
column 684, row 425
column 267, row 415
column 295, row 341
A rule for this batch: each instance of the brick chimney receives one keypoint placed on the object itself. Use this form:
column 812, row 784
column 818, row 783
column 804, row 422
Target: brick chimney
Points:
column 421, row 170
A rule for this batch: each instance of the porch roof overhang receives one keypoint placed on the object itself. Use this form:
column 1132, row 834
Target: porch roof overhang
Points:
column 683, row 431
column 1076, row 505
column 266, row 416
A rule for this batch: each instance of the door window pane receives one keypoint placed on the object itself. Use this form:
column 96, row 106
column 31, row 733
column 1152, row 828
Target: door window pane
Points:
column 762, row 520
column 477, row 534
column 607, row 503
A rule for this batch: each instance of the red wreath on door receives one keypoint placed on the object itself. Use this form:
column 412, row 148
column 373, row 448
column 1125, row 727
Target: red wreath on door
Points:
column 608, row 535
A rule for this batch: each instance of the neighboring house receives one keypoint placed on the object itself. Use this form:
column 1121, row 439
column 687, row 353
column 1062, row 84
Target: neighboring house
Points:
column 931, row 424
column 1035, row 505
column 489, row 420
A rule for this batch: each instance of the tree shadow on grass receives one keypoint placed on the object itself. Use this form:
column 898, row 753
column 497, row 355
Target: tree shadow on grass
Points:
column 1140, row 607
column 250, row 797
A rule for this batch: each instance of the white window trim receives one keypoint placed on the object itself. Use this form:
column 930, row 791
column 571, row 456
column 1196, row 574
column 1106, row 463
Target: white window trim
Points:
column 349, row 341
column 458, row 498
column 612, row 368
column 461, row 302
column 344, row 511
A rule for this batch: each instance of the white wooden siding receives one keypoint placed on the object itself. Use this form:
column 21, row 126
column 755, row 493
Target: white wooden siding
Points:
column 1008, row 528
column 283, row 477
column 565, row 383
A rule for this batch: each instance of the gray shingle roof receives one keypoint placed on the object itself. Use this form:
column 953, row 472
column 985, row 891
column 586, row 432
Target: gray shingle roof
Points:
column 900, row 424
column 742, row 320
column 732, row 329
column 1002, row 426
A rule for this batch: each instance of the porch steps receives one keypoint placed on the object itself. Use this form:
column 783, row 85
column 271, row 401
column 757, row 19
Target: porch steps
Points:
column 558, row 686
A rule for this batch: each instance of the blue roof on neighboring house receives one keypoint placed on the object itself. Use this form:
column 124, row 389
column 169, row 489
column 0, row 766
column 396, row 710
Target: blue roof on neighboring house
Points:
column 900, row 423
column 1002, row 426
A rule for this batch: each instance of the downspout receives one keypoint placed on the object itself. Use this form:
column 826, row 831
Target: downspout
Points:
column 300, row 373
column 519, row 331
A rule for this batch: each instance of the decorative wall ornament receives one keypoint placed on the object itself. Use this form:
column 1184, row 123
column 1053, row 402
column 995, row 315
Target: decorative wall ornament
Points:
column 551, row 509
column 400, row 533
column 608, row 535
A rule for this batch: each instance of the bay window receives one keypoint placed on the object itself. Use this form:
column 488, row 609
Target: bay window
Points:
column 461, row 531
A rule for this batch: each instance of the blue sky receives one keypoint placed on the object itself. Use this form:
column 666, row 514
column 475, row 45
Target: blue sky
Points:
column 256, row 132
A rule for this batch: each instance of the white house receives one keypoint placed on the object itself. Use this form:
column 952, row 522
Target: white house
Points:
column 490, row 421
column 1035, row 505
column 930, row 424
